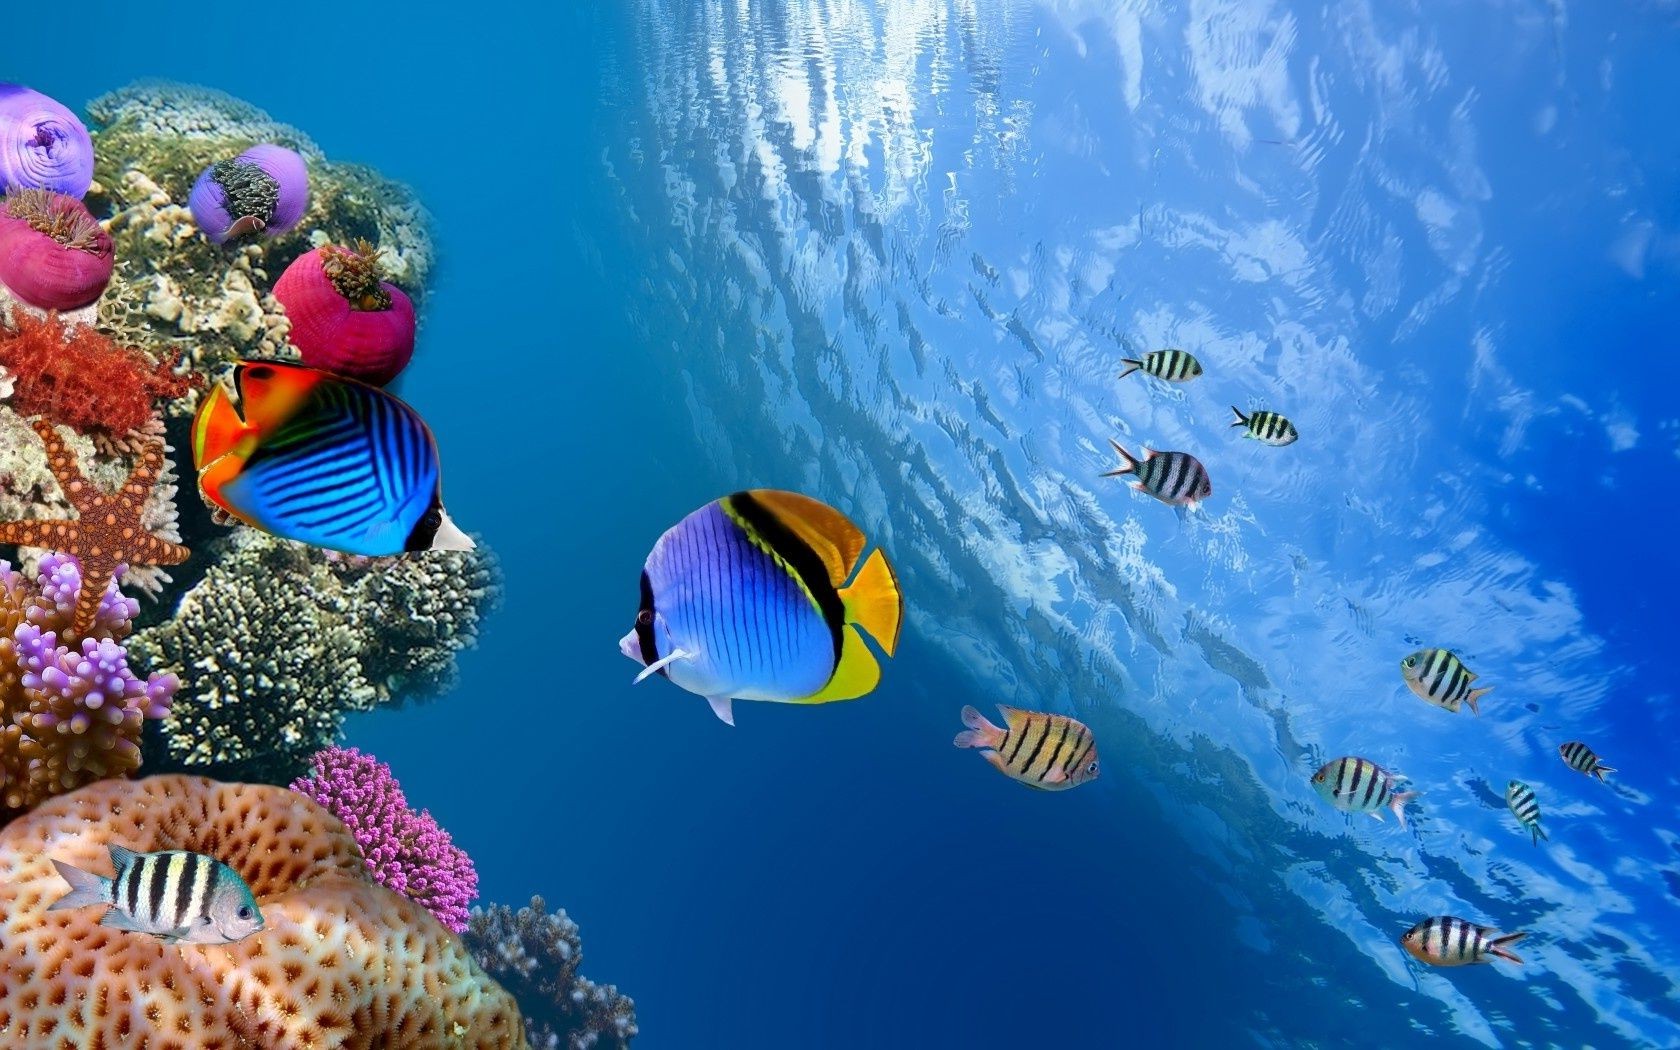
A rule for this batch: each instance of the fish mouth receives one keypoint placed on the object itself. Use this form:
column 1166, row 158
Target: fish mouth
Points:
column 630, row 645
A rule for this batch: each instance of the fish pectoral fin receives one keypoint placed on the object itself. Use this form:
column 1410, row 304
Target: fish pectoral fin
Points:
column 1377, row 817
column 116, row 920
column 661, row 663
column 857, row 673
column 1055, row 776
column 723, row 707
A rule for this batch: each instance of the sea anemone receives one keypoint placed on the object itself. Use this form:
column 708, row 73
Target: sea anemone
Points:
column 263, row 190
column 344, row 318
column 42, row 144
column 78, row 377
column 53, row 253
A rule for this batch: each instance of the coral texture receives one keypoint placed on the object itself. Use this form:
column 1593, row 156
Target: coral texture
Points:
column 280, row 640
column 171, row 284
column 344, row 964
column 536, row 955
column 75, row 375
column 405, row 851
column 71, row 709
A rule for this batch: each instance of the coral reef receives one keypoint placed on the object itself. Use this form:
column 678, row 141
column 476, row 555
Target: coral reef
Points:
column 174, row 286
column 271, row 670
column 405, row 851
column 536, row 955
column 71, row 710
column 53, row 254
column 42, row 144
column 344, row 963
column 75, row 375
column 344, row 318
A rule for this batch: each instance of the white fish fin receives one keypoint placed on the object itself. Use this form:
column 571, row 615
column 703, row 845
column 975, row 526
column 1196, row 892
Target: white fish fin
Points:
column 723, row 707
column 117, row 920
column 1377, row 817
column 174, row 936
column 654, row 668
column 85, row 887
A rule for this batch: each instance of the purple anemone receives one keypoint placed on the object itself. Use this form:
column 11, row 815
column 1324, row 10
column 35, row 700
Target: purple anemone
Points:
column 42, row 145
column 263, row 190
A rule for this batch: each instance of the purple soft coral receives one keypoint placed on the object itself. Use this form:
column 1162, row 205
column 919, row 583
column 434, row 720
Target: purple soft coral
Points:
column 406, row 851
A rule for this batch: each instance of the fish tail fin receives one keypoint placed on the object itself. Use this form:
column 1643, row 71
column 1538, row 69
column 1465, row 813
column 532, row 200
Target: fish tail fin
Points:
column 980, row 732
column 1130, row 461
column 1539, row 833
column 874, row 602
column 1474, row 698
column 1242, row 420
column 1131, row 366
column 1497, row 946
column 1601, row 769
column 1398, row 805
column 85, row 887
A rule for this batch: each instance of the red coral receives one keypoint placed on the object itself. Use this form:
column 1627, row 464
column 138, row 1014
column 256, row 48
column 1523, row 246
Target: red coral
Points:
column 75, row 375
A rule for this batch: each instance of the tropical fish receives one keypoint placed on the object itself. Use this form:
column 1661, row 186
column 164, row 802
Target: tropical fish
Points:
column 308, row 455
column 1359, row 785
column 1171, row 477
column 1520, row 797
column 1175, row 366
column 1446, row 941
column 172, row 895
column 1440, row 677
column 1052, row 752
column 1266, row 427
column 747, row 599
column 1581, row 759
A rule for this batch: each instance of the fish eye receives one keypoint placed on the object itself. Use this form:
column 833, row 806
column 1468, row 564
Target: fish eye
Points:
column 644, row 618
column 244, row 911
column 1411, row 660
column 1091, row 769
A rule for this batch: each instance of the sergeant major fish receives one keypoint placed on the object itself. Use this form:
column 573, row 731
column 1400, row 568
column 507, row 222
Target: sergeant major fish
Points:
column 1440, row 677
column 1447, row 941
column 1051, row 752
column 1581, row 759
column 173, row 895
column 1175, row 366
column 1359, row 785
column 1171, row 477
column 1268, row 428
column 1526, row 808
column 747, row 599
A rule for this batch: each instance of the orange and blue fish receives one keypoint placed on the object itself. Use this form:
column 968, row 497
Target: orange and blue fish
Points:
column 760, row 596
column 312, row 456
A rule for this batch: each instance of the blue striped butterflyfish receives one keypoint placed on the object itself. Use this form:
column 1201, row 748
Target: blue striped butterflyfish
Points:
column 315, row 457
column 760, row 596
column 1448, row 941
column 1041, row 750
column 1440, row 677
column 172, row 895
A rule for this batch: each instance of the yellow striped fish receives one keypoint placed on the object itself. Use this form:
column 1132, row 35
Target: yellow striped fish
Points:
column 1051, row 752
column 174, row 896
column 1440, row 677
column 1268, row 428
column 1175, row 366
column 1447, row 941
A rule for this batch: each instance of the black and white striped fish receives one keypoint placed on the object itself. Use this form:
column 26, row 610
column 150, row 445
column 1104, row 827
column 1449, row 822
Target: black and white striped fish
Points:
column 1266, row 427
column 1440, row 677
column 1171, row 477
column 1581, row 759
column 1520, row 797
column 1052, row 752
column 173, row 895
column 1359, row 785
column 1446, row 941
column 1175, row 366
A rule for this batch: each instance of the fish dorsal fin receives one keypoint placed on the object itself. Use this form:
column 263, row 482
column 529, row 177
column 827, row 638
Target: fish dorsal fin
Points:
column 830, row 534
column 857, row 673
column 1014, row 717
column 121, row 856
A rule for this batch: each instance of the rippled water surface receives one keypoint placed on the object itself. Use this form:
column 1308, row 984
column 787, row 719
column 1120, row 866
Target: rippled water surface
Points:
column 891, row 253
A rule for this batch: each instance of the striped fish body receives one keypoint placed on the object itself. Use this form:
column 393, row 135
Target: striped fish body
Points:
column 1171, row 477
column 747, row 599
column 173, row 895
column 1359, row 785
column 1041, row 750
column 1439, row 677
column 1580, row 758
column 1268, row 428
column 1175, row 366
column 1448, row 941
column 1520, row 797
column 311, row 456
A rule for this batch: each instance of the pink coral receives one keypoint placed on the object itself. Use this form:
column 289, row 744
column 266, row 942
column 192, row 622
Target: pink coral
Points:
column 406, row 851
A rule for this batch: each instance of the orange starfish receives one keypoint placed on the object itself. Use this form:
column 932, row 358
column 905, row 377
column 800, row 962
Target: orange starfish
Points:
column 107, row 531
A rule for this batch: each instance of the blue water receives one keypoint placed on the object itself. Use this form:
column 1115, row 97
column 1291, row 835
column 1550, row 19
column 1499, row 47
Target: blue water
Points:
column 889, row 254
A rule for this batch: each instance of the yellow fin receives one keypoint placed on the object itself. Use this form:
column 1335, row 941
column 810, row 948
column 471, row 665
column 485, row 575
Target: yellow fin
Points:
column 1015, row 718
column 874, row 602
column 827, row 531
column 857, row 674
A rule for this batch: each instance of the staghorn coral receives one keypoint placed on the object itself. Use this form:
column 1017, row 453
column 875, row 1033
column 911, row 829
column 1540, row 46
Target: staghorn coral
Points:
column 343, row 963
column 280, row 640
column 76, row 376
column 70, row 707
column 535, row 955
column 405, row 851
column 174, row 286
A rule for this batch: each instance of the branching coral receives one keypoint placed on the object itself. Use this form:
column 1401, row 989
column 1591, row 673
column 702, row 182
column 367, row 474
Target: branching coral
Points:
column 536, row 955
column 405, row 851
column 70, row 708
column 343, row 963
column 75, row 375
column 279, row 641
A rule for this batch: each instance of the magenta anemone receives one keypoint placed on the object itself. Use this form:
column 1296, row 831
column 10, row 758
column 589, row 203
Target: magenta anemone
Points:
column 53, row 253
column 344, row 318
column 42, row 145
column 263, row 190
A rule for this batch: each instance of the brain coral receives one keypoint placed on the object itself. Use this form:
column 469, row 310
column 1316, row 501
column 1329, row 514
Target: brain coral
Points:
column 280, row 640
column 343, row 963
